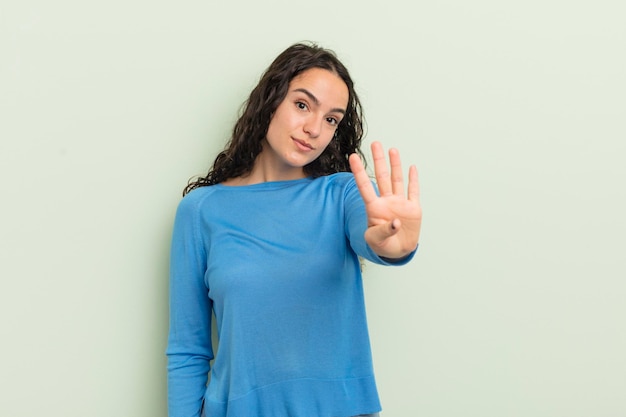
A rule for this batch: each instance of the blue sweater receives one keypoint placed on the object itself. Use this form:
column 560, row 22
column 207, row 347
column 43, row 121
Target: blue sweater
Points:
column 277, row 263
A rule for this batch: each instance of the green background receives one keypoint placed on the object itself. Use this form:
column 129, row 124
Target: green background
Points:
column 513, row 112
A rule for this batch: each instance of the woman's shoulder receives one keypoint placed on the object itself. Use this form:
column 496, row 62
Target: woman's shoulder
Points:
column 341, row 182
column 340, row 179
column 196, row 198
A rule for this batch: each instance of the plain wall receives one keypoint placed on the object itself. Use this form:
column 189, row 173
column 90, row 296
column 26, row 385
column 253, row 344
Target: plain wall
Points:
column 514, row 113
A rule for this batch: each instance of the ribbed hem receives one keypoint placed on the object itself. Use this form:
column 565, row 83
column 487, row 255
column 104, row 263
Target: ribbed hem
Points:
column 303, row 398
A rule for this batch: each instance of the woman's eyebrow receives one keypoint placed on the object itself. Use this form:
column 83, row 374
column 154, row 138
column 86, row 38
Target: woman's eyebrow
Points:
column 316, row 101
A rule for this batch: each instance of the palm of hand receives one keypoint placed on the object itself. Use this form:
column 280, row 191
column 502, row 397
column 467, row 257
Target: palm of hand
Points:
column 394, row 219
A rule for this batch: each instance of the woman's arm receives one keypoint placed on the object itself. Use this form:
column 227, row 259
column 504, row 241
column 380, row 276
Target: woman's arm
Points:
column 189, row 347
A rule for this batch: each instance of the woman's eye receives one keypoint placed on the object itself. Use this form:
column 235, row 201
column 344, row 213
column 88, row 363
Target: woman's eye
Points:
column 301, row 105
column 332, row 121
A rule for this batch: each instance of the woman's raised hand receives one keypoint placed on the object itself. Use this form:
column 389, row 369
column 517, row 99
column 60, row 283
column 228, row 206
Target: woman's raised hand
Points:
column 394, row 218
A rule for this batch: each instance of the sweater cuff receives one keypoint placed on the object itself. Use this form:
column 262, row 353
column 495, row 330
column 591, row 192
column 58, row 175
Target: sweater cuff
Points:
column 399, row 261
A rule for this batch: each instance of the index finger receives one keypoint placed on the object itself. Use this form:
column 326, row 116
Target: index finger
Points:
column 363, row 182
column 383, row 177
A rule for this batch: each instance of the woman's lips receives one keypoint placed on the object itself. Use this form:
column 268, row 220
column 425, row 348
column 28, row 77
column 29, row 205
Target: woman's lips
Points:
column 303, row 145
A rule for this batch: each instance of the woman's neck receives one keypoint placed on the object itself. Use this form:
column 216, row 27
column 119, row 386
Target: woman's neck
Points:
column 267, row 169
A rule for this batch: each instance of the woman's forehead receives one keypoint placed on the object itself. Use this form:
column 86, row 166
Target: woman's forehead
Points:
column 326, row 87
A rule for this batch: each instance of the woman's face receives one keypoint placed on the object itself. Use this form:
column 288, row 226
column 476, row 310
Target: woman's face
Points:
column 305, row 121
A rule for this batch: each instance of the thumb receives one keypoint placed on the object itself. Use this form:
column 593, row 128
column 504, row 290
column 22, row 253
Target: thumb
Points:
column 376, row 235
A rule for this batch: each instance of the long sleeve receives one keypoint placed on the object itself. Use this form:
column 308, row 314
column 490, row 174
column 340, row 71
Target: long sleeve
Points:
column 189, row 347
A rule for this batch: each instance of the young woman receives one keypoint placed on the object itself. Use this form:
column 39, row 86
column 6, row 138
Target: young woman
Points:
column 270, row 241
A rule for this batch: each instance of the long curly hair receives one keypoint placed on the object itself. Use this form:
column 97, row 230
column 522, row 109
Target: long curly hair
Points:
column 237, row 158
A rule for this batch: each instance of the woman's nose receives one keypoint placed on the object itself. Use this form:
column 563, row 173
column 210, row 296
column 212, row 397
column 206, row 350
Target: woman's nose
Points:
column 313, row 126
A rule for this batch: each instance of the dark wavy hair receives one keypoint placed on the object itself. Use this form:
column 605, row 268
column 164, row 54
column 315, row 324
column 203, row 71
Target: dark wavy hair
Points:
column 245, row 144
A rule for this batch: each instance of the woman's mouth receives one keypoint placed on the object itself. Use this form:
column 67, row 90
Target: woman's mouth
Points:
column 303, row 145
